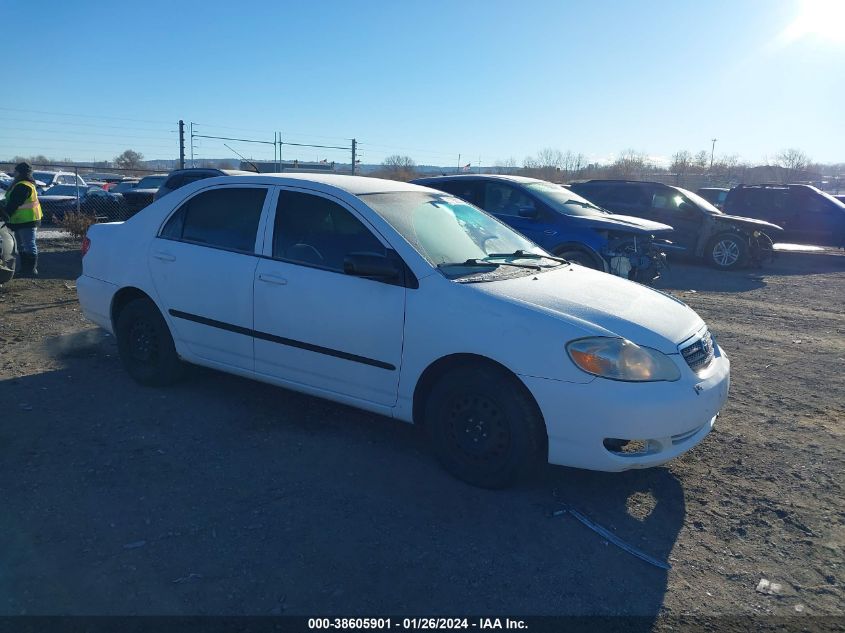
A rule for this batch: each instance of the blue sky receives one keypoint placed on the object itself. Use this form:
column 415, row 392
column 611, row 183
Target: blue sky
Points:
column 495, row 79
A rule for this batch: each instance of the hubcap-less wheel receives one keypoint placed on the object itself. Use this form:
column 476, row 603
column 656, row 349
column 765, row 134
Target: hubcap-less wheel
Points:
column 726, row 252
column 143, row 343
column 478, row 430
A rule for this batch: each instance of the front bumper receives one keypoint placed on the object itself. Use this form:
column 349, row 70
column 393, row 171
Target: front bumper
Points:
column 666, row 418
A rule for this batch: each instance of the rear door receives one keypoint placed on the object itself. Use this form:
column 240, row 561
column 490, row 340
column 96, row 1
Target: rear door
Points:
column 315, row 325
column 203, row 264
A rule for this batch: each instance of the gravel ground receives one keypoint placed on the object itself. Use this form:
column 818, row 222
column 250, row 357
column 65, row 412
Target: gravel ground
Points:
column 225, row 496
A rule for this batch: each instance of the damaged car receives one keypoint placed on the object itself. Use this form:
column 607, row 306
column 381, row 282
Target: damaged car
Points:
column 565, row 224
column 411, row 303
column 724, row 241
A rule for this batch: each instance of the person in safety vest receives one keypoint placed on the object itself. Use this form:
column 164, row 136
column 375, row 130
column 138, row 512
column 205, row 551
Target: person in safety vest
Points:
column 24, row 213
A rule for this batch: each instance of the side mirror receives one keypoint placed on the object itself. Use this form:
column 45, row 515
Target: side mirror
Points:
column 528, row 212
column 372, row 266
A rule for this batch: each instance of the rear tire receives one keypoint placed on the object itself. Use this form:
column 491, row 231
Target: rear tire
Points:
column 726, row 251
column 146, row 346
column 483, row 427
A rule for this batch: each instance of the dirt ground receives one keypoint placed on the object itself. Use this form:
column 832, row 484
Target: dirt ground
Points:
column 225, row 496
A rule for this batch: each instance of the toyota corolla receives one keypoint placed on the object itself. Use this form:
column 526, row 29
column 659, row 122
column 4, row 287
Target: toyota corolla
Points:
column 410, row 303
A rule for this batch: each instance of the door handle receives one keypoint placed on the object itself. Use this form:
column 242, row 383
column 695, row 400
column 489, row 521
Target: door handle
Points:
column 165, row 257
column 272, row 279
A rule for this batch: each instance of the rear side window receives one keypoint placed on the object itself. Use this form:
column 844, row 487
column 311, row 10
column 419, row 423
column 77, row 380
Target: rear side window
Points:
column 315, row 231
column 224, row 218
column 465, row 189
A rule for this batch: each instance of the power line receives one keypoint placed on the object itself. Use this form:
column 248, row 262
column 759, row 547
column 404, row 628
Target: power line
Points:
column 25, row 129
column 284, row 134
column 85, row 116
column 94, row 125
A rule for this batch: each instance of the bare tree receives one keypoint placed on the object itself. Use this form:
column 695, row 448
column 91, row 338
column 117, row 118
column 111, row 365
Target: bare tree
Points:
column 793, row 163
column 399, row 167
column 631, row 164
column 702, row 160
column 130, row 159
column 507, row 166
column 681, row 163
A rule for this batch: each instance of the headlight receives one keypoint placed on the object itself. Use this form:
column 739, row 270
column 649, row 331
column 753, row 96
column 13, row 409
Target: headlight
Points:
column 620, row 359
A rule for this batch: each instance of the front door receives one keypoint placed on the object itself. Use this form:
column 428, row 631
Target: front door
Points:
column 202, row 264
column 515, row 207
column 315, row 325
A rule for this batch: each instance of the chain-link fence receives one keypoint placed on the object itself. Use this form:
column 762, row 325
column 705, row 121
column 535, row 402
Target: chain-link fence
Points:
column 68, row 191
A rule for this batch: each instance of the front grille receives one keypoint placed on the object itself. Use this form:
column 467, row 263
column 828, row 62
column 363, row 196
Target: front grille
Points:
column 699, row 353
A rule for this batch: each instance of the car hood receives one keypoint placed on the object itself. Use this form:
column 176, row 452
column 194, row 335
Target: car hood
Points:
column 749, row 223
column 602, row 305
column 626, row 223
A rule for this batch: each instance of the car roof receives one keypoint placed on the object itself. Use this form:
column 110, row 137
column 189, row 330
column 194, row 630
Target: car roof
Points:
column 523, row 179
column 351, row 184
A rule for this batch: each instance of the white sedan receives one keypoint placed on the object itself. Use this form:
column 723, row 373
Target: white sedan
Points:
column 414, row 304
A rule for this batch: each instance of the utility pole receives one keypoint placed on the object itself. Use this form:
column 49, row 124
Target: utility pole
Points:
column 181, row 144
column 712, row 150
column 280, row 151
column 192, row 144
column 354, row 154
column 459, row 164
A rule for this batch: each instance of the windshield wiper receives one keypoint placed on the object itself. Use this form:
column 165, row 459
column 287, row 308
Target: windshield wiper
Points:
column 483, row 263
column 522, row 254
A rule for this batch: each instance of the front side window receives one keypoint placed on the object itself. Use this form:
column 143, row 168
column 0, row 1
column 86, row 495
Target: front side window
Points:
column 316, row 231
column 505, row 199
column 224, row 218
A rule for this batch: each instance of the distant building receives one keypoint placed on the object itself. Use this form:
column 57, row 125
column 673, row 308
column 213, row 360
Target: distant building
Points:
column 273, row 167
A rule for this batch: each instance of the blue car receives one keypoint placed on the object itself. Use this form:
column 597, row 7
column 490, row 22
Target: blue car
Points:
column 565, row 224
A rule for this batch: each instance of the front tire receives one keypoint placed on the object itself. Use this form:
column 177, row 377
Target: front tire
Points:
column 484, row 427
column 146, row 346
column 726, row 251
column 581, row 258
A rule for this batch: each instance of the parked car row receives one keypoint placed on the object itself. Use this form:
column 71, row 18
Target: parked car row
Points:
column 700, row 229
column 412, row 302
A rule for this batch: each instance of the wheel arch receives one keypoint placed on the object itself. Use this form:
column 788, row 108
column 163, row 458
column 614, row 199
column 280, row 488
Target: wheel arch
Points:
column 584, row 248
column 122, row 298
column 441, row 366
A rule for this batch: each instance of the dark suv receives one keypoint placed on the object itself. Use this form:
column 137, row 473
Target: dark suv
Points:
column 805, row 213
column 724, row 241
column 181, row 177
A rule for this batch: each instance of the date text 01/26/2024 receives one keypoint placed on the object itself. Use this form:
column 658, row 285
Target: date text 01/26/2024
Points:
column 415, row 623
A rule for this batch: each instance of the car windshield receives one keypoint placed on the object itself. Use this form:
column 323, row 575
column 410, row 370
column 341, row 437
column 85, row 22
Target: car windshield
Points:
column 150, row 182
column 454, row 236
column 827, row 196
column 563, row 200
column 63, row 190
column 699, row 201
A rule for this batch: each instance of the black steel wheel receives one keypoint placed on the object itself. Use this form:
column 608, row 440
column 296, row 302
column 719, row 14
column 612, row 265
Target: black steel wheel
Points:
column 483, row 426
column 145, row 344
